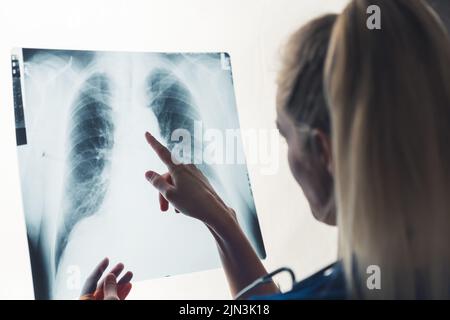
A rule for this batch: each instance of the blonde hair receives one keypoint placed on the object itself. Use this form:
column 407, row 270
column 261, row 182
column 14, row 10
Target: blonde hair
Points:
column 389, row 95
column 300, row 80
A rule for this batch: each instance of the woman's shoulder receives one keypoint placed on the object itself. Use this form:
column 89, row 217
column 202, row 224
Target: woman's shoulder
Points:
column 326, row 284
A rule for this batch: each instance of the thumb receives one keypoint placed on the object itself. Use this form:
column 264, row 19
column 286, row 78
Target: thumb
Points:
column 159, row 182
column 110, row 287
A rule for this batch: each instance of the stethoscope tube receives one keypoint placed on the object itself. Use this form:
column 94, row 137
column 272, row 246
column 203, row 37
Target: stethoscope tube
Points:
column 264, row 279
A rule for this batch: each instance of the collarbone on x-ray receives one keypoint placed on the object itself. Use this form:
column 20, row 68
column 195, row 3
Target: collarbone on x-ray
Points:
column 86, row 113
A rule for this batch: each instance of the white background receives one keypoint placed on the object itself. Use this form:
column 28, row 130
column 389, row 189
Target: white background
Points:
column 252, row 32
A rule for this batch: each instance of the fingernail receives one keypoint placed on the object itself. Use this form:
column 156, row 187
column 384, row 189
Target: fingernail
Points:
column 104, row 263
column 149, row 175
column 148, row 135
column 110, row 278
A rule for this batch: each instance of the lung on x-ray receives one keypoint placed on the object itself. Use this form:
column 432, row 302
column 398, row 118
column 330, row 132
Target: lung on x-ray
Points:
column 80, row 123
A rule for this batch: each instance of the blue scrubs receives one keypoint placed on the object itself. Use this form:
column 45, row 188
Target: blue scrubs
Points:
column 327, row 284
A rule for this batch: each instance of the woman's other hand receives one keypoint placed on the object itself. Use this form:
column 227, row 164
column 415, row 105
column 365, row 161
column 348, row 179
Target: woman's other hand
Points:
column 108, row 288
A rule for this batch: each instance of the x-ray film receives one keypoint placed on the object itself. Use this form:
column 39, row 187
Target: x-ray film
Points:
column 80, row 123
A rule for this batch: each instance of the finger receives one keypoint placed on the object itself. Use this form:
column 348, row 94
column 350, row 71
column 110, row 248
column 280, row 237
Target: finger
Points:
column 123, row 290
column 91, row 282
column 163, row 203
column 110, row 287
column 159, row 183
column 116, row 271
column 126, row 278
column 162, row 152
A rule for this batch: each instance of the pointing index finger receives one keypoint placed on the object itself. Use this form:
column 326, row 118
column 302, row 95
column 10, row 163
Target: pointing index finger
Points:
column 162, row 152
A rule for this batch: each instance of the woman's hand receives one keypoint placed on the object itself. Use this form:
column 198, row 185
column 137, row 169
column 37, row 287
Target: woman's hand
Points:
column 188, row 190
column 108, row 288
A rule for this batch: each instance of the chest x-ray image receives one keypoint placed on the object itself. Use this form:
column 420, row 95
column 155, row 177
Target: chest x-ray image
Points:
column 82, row 158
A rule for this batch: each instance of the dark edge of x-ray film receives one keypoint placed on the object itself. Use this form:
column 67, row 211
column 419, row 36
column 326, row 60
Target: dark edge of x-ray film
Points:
column 78, row 55
column 43, row 276
column 21, row 132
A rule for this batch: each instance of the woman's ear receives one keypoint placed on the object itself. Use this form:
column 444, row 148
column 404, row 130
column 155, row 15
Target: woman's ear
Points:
column 322, row 143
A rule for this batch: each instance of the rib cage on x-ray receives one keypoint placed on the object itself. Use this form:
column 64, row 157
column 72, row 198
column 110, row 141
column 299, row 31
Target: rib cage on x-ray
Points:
column 91, row 139
column 91, row 142
column 172, row 104
column 175, row 108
